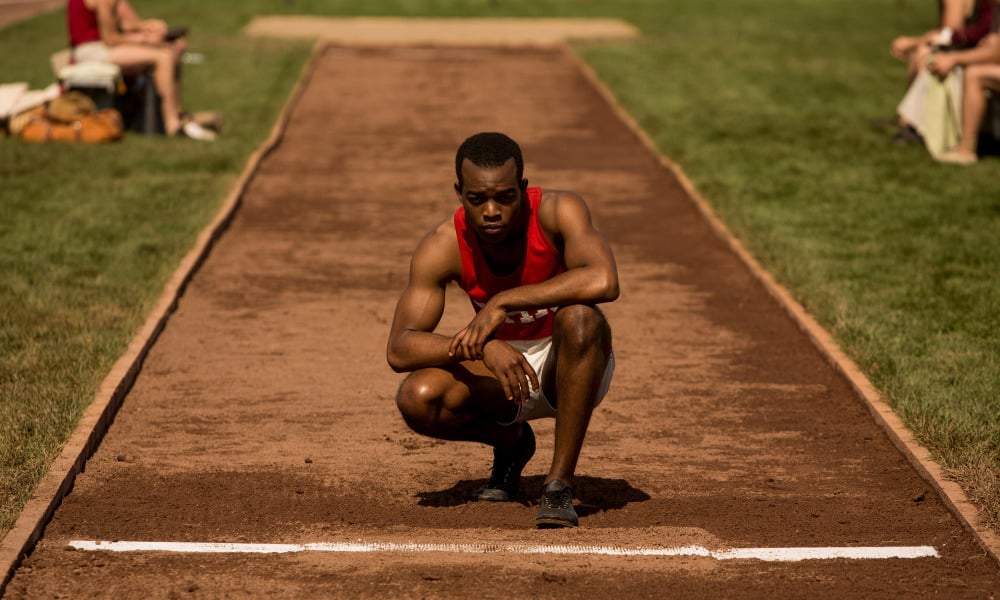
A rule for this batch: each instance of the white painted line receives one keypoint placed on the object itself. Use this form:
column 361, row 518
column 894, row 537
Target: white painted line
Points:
column 765, row 554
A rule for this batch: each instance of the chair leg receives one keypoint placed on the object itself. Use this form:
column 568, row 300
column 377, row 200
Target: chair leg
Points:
column 150, row 119
column 993, row 115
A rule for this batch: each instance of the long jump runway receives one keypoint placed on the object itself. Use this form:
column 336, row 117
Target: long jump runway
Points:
column 260, row 452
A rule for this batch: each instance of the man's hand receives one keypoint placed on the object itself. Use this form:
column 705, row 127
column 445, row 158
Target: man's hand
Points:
column 468, row 343
column 511, row 370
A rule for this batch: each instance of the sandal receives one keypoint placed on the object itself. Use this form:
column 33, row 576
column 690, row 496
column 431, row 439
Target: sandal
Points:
column 194, row 131
column 208, row 119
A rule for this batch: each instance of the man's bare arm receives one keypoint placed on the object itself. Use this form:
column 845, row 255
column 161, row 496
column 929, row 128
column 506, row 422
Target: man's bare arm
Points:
column 412, row 342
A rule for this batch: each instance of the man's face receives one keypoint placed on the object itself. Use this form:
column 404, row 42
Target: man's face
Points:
column 492, row 197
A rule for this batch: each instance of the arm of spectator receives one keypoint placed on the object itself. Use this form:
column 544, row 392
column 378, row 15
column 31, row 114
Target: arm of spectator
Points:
column 953, row 14
column 987, row 51
column 904, row 45
column 130, row 21
column 107, row 23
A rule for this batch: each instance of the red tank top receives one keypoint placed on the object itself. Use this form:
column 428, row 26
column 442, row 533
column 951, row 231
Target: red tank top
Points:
column 542, row 261
column 82, row 23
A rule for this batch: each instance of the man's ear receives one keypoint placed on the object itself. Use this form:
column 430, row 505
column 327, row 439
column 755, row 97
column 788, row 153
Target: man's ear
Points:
column 458, row 191
column 524, row 186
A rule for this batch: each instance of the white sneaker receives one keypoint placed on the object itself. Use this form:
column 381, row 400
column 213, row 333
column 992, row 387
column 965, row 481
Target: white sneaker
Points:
column 197, row 132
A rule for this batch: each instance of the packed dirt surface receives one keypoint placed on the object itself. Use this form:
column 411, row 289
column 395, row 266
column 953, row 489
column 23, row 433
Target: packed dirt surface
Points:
column 12, row 11
column 408, row 31
column 265, row 413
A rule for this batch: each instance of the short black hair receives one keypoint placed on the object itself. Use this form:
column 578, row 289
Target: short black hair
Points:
column 489, row 149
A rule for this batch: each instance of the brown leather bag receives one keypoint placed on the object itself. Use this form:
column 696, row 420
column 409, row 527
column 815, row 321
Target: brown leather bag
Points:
column 93, row 128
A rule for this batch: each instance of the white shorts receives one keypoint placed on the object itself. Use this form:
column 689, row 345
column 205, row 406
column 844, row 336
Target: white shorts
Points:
column 537, row 406
column 92, row 52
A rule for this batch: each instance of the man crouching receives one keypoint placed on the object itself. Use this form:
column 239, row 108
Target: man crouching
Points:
column 535, row 269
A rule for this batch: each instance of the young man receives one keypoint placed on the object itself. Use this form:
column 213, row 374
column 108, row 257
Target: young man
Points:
column 535, row 269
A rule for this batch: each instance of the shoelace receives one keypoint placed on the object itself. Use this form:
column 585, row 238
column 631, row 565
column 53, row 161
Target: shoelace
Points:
column 559, row 500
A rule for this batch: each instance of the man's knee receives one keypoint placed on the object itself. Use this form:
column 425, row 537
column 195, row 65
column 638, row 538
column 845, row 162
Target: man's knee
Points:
column 418, row 401
column 582, row 326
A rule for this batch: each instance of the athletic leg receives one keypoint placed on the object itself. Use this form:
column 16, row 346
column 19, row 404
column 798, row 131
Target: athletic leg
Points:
column 581, row 344
column 465, row 402
column 581, row 347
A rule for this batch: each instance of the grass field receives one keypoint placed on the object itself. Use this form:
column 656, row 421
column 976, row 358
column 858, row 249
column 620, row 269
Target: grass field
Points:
column 765, row 105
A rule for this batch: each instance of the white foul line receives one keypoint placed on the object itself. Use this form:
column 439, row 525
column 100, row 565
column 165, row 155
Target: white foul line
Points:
column 765, row 554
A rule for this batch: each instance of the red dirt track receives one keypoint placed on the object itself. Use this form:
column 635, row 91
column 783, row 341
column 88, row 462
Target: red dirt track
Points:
column 13, row 11
column 265, row 413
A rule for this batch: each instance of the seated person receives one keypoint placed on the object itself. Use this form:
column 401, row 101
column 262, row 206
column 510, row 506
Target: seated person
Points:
column 917, row 115
column 962, row 24
column 982, row 72
column 111, row 31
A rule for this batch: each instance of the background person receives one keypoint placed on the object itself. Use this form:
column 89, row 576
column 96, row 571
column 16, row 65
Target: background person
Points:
column 961, row 25
column 535, row 269
column 111, row 31
column 920, row 113
column 982, row 73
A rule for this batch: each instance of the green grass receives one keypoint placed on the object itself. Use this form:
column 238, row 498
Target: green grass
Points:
column 90, row 234
column 765, row 104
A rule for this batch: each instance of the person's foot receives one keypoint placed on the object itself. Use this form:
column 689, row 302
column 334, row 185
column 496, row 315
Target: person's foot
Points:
column 507, row 466
column 555, row 508
column 957, row 157
column 907, row 134
column 192, row 130
column 208, row 119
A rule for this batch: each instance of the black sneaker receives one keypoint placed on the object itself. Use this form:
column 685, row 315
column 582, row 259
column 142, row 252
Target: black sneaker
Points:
column 555, row 509
column 507, row 466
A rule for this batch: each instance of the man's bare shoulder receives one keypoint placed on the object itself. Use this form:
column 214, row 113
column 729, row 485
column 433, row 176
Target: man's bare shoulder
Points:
column 559, row 206
column 438, row 251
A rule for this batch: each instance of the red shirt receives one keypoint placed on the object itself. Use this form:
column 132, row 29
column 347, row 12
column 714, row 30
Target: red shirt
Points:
column 82, row 23
column 542, row 261
column 976, row 27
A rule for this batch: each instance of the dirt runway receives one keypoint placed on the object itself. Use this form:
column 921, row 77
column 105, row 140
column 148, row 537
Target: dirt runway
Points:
column 265, row 413
column 13, row 11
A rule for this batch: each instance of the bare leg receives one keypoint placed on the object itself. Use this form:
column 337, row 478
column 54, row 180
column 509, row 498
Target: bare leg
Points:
column 179, row 47
column 977, row 79
column 133, row 58
column 582, row 347
column 462, row 403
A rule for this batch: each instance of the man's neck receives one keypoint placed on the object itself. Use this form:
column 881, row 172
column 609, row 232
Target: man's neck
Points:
column 505, row 258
